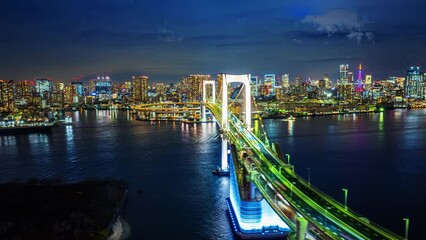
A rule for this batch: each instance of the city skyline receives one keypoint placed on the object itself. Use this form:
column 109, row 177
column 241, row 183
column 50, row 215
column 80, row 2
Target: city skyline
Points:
column 168, row 40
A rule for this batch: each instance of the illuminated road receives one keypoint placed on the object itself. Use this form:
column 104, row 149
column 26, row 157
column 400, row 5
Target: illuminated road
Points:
column 286, row 192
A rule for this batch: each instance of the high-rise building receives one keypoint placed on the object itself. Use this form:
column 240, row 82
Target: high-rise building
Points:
column 343, row 74
column 254, row 86
column 368, row 79
column 103, row 88
column 286, row 80
column 140, row 88
column 78, row 88
column 297, row 80
column 7, row 101
column 415, row 85
column 327, row 81
column 193, row 87
column 350, row 77
column 44, row 87
column 270, row 83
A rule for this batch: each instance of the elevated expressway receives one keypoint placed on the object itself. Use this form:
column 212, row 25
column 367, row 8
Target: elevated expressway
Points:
column 290, row 195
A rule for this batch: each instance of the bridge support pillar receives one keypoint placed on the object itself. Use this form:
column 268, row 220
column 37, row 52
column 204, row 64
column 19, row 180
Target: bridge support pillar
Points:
column 302, row 226
column 224, row 155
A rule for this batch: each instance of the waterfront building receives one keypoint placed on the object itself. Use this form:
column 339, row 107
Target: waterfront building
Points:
column 345, row 92
column 7, row 94
column 193, row 87
column 57, row 99
column 140, row 88
column 415, row 85
column 78, row 88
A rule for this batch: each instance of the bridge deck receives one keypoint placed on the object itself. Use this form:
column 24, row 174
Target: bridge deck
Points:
column 280, row 186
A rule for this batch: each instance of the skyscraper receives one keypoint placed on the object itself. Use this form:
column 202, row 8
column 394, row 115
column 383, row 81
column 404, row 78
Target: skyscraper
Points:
column 140, row 88
column 78, row 88
column 297, row 80
column 254, row 85
column 103, row 88
column 286, row 80
column 44, row 88
column 193, row 87
column 327, row 81
column 343, row 74
column 270, row 83
column 415, row 85
column 7, row 95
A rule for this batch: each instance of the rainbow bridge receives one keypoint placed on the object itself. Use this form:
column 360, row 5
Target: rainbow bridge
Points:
column 267, row 198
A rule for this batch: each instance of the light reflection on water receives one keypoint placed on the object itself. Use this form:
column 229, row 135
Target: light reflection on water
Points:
column 172, row 163
column 378, row 157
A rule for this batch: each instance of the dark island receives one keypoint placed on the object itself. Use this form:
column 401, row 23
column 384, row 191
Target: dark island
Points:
column 51, row 209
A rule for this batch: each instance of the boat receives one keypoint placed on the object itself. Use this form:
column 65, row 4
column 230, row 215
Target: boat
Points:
column 220, row 172
column 26, row 128
column 291, row 117
column 68, row 120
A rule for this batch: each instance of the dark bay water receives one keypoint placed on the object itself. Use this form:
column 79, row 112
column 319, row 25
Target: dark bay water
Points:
column 380, row 158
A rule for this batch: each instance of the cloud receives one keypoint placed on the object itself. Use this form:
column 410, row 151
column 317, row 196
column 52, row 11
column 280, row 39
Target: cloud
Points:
column 296, row 41
column 370, row 36
column 340, row 21
column 335, row 21
column 358, row 36
column 168, row 35
column 355, row 36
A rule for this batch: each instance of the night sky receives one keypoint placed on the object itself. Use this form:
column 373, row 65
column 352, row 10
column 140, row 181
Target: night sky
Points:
column 168, row 39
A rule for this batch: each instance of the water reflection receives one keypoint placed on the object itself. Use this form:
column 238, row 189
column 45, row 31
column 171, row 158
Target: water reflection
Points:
column 290, row 127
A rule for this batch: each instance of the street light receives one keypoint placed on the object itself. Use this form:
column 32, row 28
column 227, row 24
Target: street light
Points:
column 346, row 197
column 309, row 176
column 288, row 158
column 326, row 215
column 407, row 222
column 291, row 190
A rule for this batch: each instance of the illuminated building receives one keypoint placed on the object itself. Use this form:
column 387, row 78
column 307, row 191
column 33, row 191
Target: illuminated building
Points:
column 219, row 85
column 368, row 79
column 297, row 80
column 345, row 92
column 368, row 82
column 359, row 82
column 160, row 88
column 24, row 94
column 103, row 88
column 321, row 88
column 78, row 87
column 57, row 94
column 254, row 86
column 343, row 74
column 327, row 81
column 193, row 87
column 7, row 102
column 44, row 88
column 286, row 80
column 270, row 82
column 415, row 83
column 279, row 94
column 140, row 88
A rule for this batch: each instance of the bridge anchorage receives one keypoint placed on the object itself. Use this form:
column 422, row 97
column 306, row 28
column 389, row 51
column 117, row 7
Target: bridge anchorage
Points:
column 267, row 198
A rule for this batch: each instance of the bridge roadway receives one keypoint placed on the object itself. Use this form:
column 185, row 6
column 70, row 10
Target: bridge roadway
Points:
column 281, row 186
